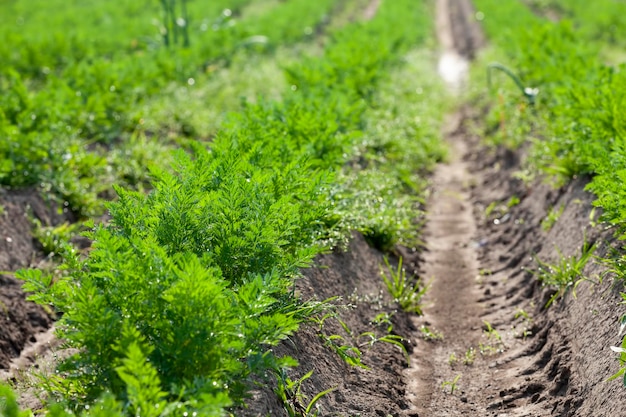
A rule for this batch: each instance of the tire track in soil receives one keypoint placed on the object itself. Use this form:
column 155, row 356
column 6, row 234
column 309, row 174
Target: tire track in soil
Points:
column 453, row 300
column 460, row 300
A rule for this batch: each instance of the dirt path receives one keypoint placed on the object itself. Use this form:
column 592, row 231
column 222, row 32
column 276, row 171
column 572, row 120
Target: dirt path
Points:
column 467, row 372
column 503, row 353
column 453, row 298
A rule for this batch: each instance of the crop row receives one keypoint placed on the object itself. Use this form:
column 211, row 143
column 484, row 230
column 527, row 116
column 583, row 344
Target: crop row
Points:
column 179, row 303
column 578, row 105
column 576, row 125
column 605, row 24
column 60, row 92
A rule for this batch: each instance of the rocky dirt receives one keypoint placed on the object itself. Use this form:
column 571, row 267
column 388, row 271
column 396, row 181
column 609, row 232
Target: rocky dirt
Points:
column 502, row 352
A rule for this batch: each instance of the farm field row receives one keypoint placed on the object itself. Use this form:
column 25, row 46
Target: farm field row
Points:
column 100, row 87
column 188, row 288
column 571, row 120
column 284, row 211
column 534, row 306
column 558, row 111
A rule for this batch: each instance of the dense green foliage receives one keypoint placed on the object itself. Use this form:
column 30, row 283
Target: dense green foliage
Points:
column 601, row 21
column 64, row 89
column 580, row 96
column 179, row 303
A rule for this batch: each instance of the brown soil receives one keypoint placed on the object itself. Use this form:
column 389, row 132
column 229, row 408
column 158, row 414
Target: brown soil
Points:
column 22, row 321
column 552, row 12
column 353, row 275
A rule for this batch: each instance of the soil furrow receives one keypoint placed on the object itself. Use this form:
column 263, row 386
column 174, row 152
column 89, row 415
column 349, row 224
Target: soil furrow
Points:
column 504, row 352
column 450, row 262
column 467, row 372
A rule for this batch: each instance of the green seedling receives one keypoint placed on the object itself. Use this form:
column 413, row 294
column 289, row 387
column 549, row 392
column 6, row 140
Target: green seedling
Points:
column 492, row 334
column 551, row 218
column 521, row 313
column 566, row 273
column 384, row 319
column 469, row 357
column 496, row 345
column 513, row 201
column 429, row 334
column 452, row 359
column 501, row 208
column 593, row 217
column 452, row 384
column 490, row 208
column 408, row 295
column 526, row 321
column 294, row 401
column 339, row 344
column 527, row 176
column 388, row 338
column 621, row 350
column 55, row 240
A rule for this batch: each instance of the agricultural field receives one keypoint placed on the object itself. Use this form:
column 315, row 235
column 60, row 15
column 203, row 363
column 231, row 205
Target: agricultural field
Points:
column 308, row 208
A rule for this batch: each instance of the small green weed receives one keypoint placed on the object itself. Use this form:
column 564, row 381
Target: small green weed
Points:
column 526, row 322
column 513, row 201
column 392, row 339
column 492, row 334
column 55, row 240
column 501, row 208
column 551, row 218
column 294, row 401
column 429, row 334
column 349, row 347
column 408, row 295
column 621, row 349
column 384, row 320
column 490, row 208
column 469, row 357
column 452, row 384
column 341, row 345
column 566, row 273
column 452, row 359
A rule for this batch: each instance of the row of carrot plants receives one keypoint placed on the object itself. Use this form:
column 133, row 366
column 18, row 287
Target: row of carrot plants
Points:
column 64, row 96
column 177, row 307
column 576, row 126
column 604, row 23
